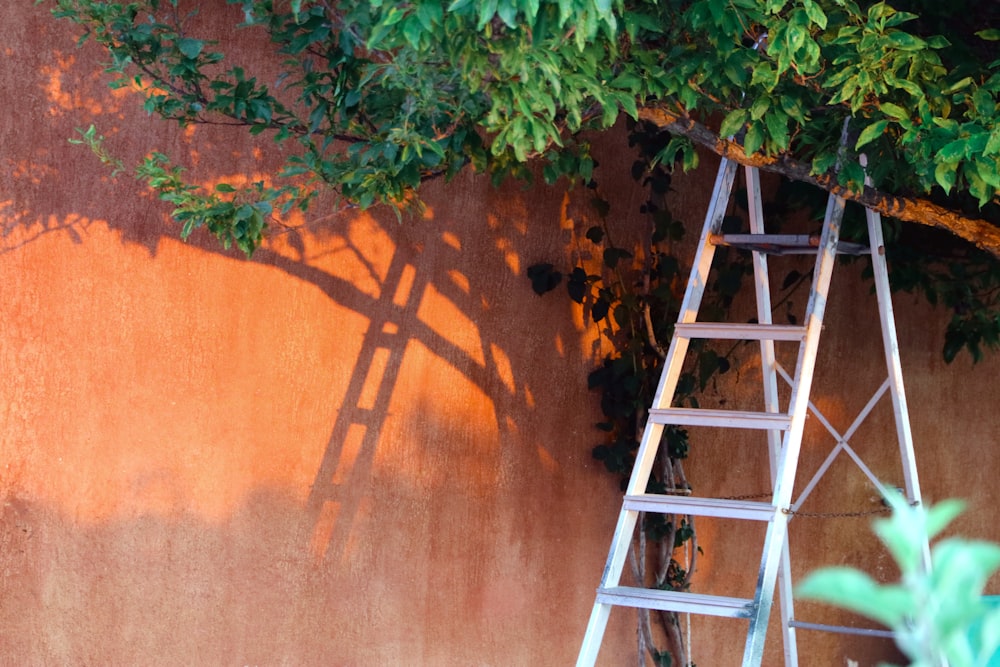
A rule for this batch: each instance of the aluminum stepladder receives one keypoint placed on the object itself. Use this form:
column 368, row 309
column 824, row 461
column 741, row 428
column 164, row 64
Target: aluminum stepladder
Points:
column 784, row 428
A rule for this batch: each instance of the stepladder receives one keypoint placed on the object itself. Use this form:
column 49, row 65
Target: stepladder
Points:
column 782, row 421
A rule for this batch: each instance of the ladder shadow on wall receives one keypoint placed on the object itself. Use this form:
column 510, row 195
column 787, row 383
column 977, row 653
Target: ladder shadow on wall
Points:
column 349, row 454
column 413, row 275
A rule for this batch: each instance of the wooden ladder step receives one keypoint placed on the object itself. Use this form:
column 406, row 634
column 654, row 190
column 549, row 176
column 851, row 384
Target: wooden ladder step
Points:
column 695, row 603
column 750, row 331
column 721, row 418
column 714, row 507
column 783, row 244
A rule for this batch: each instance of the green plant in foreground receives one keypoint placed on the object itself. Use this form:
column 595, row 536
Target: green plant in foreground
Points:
column 938, row 614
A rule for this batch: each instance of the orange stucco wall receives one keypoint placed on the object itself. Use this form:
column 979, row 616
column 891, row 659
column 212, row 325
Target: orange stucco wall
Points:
column 369, row 445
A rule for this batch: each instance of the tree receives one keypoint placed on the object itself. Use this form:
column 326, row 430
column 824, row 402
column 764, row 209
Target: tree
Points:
column 375, row 97
column 380, row 96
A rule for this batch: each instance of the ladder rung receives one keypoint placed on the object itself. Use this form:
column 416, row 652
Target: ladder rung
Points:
column 783, row 244
column 695, row 603
column 842, row 629
column 731, row 331
column 723, row 418
column 717, row 507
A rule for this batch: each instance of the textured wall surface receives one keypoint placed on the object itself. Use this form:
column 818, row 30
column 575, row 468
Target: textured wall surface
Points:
column 369, row 445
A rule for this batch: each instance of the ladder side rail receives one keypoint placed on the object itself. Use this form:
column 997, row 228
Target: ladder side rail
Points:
column 695, row 289
column 594, row 634
column 669, row 376
column 769, row 377
column 777, row 531
column 787, row 607
column 892, row 359
column 890, row 342
column 646, row 454
column 897, row 392
column 762, row 287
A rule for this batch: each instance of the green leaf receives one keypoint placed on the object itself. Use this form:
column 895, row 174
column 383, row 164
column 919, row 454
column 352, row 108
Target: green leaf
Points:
column 957, row 86
column 859, row 593
column 760, row 107
column 507, row 12
column 894, row 110
column 954, row 341
column 191, row 48
column 733, row 122
column 953, row 151
column 941, row 515
column 753, row 140
column 815, row 13
column 224, row 187
column 777, row 127
column 487, row 10
column 871, row 133
column 906, row 42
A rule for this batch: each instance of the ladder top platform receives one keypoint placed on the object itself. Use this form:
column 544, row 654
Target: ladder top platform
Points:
column 783, row 244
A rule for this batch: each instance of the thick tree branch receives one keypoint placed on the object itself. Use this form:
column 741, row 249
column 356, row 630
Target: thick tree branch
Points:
column 981, row 233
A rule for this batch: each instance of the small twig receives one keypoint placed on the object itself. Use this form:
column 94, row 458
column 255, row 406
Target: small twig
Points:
column 650, row 332
column 694, row 553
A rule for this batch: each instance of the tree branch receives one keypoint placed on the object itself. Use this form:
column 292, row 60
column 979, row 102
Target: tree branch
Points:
column 979, row 232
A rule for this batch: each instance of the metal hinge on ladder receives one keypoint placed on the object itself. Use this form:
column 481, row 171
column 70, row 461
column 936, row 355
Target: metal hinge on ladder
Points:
column 783, row 428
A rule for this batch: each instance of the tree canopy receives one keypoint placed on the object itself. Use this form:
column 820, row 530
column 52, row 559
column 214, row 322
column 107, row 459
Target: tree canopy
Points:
column 377, row 97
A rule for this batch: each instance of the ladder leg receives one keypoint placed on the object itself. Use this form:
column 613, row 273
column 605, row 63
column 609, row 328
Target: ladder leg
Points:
column 890, row 344
column 771, row 402
column 762, row 286
column 620, row 544
column 785, row 591
column 595, row 632
column 612, row 573
column 777, row 532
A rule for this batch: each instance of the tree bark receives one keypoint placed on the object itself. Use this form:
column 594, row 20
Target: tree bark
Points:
column 979, row 232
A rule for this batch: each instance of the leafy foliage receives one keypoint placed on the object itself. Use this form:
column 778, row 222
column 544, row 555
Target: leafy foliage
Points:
column 937, row 613
column 377, row 97
column 372, row 98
